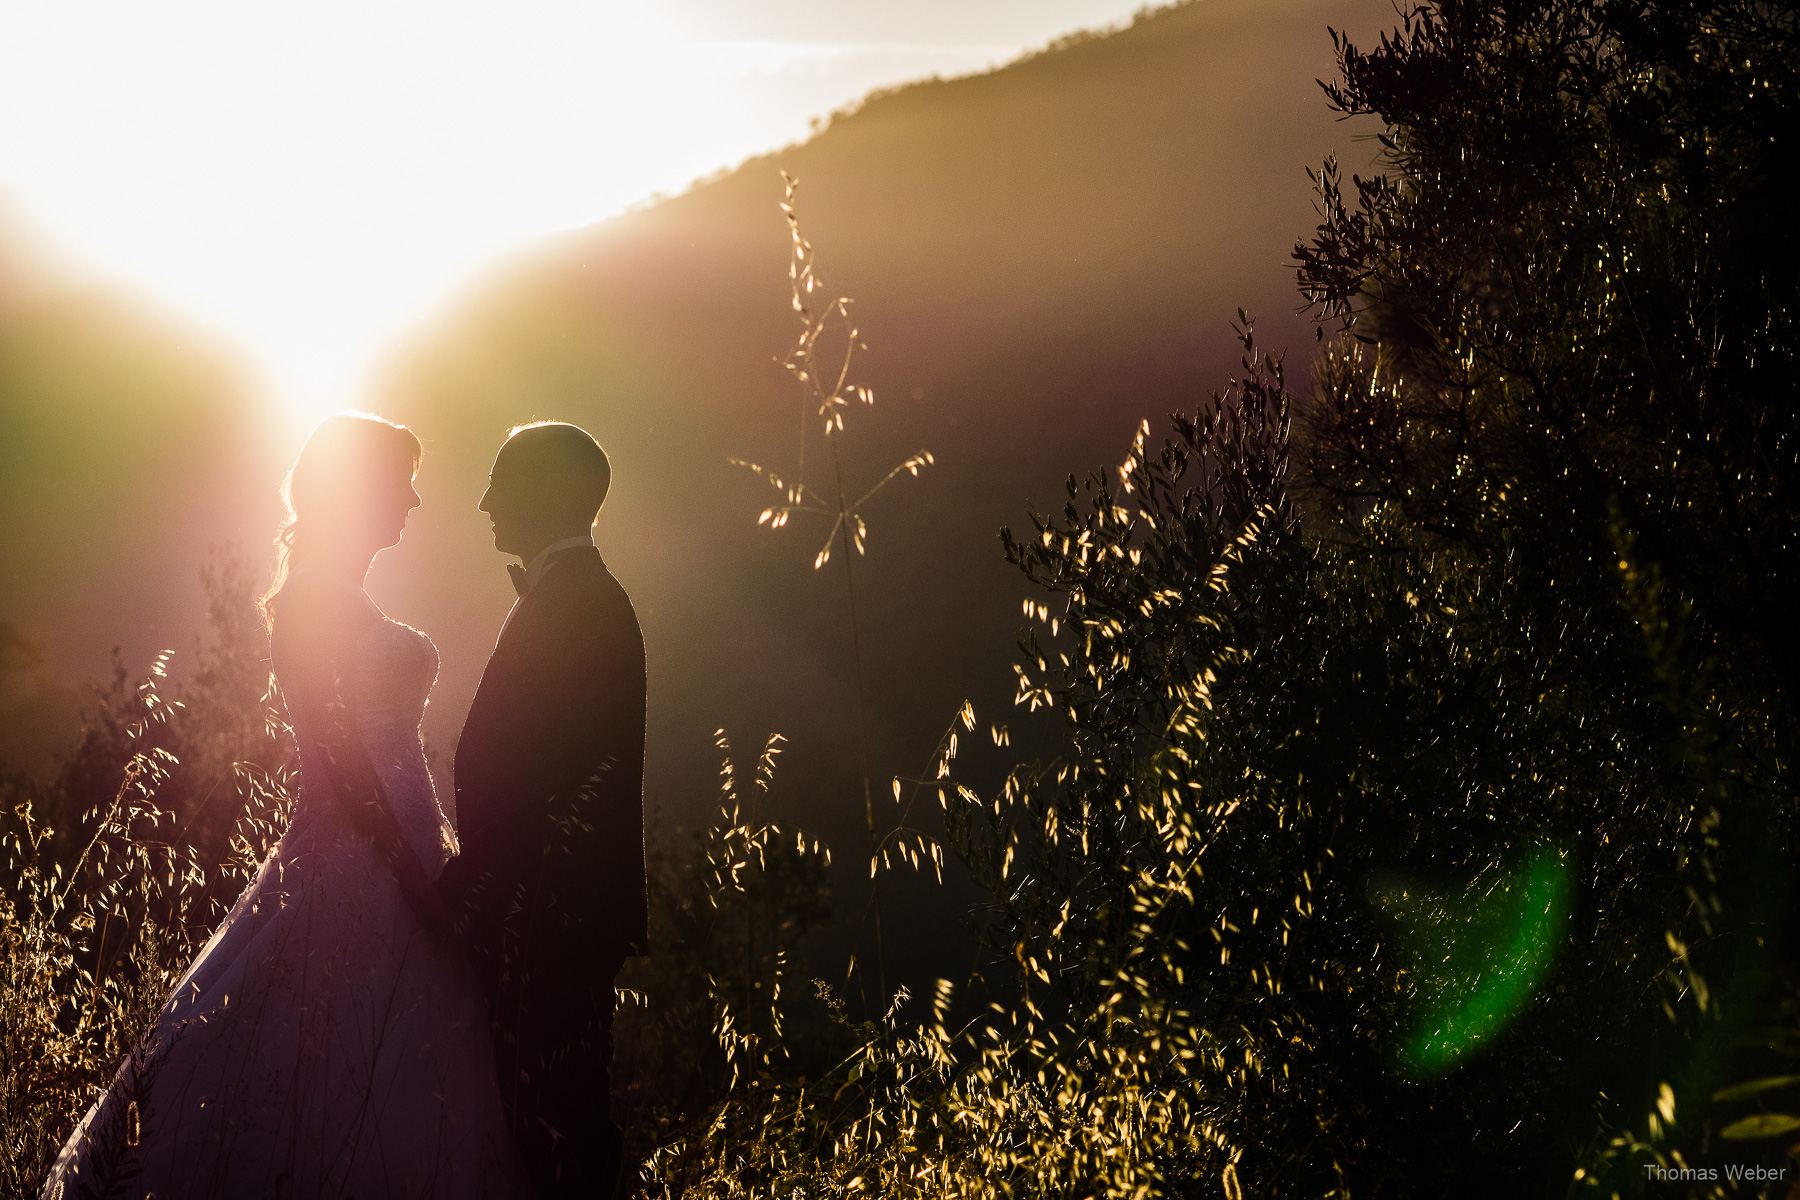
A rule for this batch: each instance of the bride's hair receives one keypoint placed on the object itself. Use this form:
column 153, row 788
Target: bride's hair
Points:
column 343, row 450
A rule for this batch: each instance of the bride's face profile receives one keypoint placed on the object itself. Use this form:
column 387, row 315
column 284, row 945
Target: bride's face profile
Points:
column 351, row 489
column 365, row 502
column 391, row 501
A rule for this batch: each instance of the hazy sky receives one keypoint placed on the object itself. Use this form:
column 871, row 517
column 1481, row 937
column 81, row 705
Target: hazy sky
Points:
column 310, row 177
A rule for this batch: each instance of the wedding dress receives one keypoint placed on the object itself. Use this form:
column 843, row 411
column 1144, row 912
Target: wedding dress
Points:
column 325, row 1042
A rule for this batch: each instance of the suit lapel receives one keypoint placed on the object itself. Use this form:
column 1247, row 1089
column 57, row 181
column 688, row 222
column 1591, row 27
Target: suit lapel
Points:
column 501, row 681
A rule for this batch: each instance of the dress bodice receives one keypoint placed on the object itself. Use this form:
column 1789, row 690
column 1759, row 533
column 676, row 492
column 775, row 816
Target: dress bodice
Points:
column 391, row 676
column 388, row 679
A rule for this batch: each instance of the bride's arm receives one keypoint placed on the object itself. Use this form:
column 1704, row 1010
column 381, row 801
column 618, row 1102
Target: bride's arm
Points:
column 310, row 646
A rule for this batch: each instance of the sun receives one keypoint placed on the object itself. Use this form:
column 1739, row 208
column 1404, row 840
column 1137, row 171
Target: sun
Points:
column 309, row 179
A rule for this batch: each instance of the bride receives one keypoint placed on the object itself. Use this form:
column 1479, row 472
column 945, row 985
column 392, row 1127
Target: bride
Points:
column 330, row 1040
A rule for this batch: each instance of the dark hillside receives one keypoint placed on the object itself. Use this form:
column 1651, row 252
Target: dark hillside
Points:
column 1040, row 257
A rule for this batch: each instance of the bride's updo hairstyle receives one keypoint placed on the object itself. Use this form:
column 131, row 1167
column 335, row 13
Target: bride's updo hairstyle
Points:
column 346, row 460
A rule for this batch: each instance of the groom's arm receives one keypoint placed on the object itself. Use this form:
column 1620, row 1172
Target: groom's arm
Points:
column 600, row 878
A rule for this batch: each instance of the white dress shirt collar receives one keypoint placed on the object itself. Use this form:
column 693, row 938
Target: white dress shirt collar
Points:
column 534, row 568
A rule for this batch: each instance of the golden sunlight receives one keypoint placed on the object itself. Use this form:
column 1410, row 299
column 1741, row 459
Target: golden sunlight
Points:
column 310, row 179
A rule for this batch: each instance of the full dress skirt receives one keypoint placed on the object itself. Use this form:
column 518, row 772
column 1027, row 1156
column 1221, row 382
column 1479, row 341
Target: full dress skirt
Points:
column 325, row 1043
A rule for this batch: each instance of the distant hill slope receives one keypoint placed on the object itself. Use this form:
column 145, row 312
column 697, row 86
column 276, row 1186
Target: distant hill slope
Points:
column 129, row 443
column 1040, row 256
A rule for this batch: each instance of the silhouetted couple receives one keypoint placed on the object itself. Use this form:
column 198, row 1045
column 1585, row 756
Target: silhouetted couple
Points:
column 381, row 1014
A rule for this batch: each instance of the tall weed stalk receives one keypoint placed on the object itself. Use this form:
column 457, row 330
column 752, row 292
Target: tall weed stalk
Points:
column 823, row 375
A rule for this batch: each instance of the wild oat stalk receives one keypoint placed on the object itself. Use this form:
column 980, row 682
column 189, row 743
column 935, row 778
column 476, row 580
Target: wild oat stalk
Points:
column 826, row 393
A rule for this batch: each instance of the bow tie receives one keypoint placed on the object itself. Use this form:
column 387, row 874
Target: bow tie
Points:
column 520, row 577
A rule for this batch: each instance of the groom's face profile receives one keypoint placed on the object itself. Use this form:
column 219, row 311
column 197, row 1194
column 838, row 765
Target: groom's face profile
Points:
column 547, row 483
column 506, row 503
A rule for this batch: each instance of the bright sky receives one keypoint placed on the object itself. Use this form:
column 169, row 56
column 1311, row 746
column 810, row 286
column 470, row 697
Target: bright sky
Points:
column 310, row 178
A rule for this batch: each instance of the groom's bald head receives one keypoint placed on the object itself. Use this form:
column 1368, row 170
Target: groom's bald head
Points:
column 563, row 461
column 548, row 482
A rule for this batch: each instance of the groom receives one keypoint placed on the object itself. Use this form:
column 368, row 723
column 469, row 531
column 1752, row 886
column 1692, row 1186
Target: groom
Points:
column 549, row 886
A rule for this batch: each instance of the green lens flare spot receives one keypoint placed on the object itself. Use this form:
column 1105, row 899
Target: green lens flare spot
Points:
column 1474, row 955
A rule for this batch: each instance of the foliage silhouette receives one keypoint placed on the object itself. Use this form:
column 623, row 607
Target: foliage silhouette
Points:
column 1568, row 354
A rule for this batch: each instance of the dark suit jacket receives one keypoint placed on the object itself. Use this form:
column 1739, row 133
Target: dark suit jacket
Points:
column 550, row 780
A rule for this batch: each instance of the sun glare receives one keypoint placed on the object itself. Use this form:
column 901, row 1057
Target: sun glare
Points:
column 310, row 179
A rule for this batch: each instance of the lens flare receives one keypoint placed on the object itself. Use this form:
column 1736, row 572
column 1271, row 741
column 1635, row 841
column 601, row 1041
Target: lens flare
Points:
column 1476, row 954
